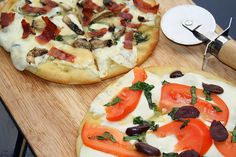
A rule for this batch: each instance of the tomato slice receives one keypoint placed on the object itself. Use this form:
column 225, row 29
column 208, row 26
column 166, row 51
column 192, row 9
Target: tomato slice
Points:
column 119, row 148
column 195, row 135
column 129, row 99
column 227, row 148
column 177, row 95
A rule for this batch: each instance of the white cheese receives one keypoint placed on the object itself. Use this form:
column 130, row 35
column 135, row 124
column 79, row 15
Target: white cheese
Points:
column 98, row 26
column 65, row 30
column 89, row 152
column 71, row 3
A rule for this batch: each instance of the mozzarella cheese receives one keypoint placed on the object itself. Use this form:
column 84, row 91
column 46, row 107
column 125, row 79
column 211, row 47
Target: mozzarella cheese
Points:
column 166, row 144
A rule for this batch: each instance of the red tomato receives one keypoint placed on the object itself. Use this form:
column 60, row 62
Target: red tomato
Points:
column 195, row 135
column 227, row 148
column 119, row 148
column 177, row 95
column 129, row 99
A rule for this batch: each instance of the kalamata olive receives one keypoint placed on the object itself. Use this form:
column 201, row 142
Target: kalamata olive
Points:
column 187, row 112
column 218, row 131
column 176, row 74
column 189, row 153
column 147, row 149
column 213, row 88
column 141, row 19
column 107, row 2
column 111, row 28
column 137, row 130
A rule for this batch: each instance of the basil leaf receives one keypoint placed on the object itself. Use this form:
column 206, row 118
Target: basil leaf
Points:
column 113, row 102
column 170, row 155
column 59, row 38
column 208, row 95
column 140, row 37
column 107, row 136
column 148, row 96
column 165, row 82
column 140, row 137
column 141, row 86
column 194, row 96
column 185, row 123
column 216, row 108
column 140, row 121
column 172, row 113
column 234, row 135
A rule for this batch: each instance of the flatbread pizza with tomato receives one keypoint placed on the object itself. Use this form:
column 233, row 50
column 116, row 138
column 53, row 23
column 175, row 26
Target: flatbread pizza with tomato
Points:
column 161, row 112
column 79, row 41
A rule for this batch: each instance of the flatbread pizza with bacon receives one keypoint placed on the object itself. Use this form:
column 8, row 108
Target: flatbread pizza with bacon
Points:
column 79, row 41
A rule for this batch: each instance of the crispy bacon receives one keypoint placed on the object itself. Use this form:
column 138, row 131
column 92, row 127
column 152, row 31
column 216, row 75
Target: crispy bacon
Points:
column 145, row 7
column 128, row 43
column 27, row 29
column 7, row 19
column 40, row 10
column 98, row 33
column 126, row 23
column 50, row 32
column 114, row 7
column 126, row 16
column 88, row 4
column 59, row 54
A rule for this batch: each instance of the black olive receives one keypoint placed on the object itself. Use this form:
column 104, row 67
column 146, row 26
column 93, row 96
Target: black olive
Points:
column 137, row 130
column 176, row 74
column 189, row 153
column 109, row 43
column 218, row 131
column 187, row 112
column 147, row 149
column 213, row 88
column 141, row 19
column 111, row 28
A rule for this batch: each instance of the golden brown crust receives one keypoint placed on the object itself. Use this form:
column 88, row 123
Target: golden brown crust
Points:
column 7, row 5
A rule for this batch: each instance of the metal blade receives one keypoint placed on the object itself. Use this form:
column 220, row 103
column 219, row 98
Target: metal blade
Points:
column 197, row 34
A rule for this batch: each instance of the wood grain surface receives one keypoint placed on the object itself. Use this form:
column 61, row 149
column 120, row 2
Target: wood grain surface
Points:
column 49, row 114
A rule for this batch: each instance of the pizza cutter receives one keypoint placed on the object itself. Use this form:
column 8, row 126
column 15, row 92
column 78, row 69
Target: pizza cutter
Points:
column 191, row 25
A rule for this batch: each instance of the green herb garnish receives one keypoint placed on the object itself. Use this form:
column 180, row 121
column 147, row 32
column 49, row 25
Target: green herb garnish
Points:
column 194, row 96
column 140, row 37
column 169, row 154
column 234, row 135
column 140, row 121
column 107, row 136
column 172, row 113
column 208, row 95
column 59, row 38
column 113, row 102
column 140, row 137
column 185, row 123
column 165, row 82
column 216, row 108
column 147, row 92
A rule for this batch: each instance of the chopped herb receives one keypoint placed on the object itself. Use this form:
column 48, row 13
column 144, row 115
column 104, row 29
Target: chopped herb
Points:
column 91, row 29
column 234, row 135
column 140, row 137
column 59, row 38
column 208, row 95
column 216, row 108
column 194, row 96
column 165, row 82
column 169, row 154
column 113, row 102
column 140, row 37
column 140, row 121
column 107, row 136
column 147, row 92
column 172, row 113
column 185, row 123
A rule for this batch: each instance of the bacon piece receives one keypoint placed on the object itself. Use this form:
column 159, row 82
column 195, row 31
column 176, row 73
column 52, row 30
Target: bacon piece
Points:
column 145, row 7
column 126, row 23
column 98, row 33
column 114, row 7
column 128, row 43
column 49, row 3
column 7, row 19
column 59, row 54
column 88, row 4
column 27, row 29
column 127, row 16
column 49, row 33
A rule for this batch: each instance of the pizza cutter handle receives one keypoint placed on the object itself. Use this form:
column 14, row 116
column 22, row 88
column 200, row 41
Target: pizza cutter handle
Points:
column 227, row 54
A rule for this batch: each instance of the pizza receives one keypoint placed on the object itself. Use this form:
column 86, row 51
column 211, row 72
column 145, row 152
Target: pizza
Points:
column 79, row 41
column 161, row 112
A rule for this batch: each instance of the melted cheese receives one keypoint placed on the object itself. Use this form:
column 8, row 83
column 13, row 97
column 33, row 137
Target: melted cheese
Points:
column 88, row 152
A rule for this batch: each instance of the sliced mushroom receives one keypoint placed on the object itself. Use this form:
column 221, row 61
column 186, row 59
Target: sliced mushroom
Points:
column 38, row 24
column 97, row 43
column 119, row 33
column 82, row 43
column 72, row 25
column 35, row 52
column 101, row 15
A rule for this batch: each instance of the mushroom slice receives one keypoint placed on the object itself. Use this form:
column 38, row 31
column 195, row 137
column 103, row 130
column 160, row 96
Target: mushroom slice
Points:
column 118, row 34
column 97, row 43
column 72, row 25
column 82, row 43
column 35, row 52
column 102, row 15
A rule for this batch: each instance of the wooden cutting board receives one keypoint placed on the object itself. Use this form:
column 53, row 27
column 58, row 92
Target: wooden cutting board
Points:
column 49, row 114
